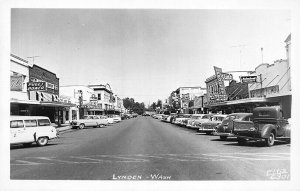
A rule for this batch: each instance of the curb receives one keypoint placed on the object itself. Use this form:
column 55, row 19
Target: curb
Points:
column 65, row 128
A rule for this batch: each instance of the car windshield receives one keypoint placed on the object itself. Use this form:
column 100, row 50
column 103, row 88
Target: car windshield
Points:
column 205, row 117
column 195, row 117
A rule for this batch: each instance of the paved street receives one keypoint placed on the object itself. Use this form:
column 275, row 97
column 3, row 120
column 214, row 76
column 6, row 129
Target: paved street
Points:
column 147, row 149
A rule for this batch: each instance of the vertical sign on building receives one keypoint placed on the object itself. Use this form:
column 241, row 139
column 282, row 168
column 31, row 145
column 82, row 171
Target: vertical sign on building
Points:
column 221, row 87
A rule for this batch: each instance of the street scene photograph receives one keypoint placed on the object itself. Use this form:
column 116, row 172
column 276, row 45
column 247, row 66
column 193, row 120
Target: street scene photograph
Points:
column 150, row 94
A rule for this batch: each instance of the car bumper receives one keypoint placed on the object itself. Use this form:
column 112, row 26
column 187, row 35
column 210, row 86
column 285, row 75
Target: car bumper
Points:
column 224, row 134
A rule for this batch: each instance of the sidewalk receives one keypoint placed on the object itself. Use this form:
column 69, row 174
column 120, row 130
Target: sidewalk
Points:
column 63, row 127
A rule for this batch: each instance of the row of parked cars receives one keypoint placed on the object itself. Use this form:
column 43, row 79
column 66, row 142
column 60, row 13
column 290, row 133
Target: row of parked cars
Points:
column 95, row 121
column 265, row 123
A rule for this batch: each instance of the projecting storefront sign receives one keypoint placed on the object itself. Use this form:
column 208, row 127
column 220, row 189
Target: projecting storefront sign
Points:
column 36, row 86
column 248, row 79
column 221, row 87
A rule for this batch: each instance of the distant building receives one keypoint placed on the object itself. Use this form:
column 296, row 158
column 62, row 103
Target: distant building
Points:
column 186, row 94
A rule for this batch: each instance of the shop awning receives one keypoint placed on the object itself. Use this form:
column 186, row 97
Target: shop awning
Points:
column 57, row 104
column 12, row 100
column 241, row 101
column 95, row 109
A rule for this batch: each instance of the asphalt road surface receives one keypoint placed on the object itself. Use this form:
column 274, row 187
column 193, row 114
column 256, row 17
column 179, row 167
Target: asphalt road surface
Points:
column 144, row 148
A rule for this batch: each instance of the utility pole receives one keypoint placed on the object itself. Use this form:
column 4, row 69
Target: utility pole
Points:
column 33, row 58
column 240, row 46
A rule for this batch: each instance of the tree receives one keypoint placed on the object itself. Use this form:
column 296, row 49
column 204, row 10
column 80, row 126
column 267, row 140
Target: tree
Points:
column 133, row 106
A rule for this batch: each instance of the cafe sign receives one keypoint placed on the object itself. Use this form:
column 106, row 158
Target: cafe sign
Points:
column 36, row 86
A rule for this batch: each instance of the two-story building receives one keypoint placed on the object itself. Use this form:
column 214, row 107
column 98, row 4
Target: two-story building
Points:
column 35, row 91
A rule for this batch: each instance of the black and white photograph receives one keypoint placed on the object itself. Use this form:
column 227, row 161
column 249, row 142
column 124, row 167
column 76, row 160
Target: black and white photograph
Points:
column 128, row 95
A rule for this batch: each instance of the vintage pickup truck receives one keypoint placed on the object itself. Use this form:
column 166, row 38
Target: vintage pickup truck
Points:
column 268, row 125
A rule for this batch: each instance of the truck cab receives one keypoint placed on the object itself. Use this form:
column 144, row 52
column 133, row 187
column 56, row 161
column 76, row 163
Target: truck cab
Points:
column 269, row 125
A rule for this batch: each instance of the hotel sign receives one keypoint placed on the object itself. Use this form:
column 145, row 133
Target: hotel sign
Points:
column 36, row 86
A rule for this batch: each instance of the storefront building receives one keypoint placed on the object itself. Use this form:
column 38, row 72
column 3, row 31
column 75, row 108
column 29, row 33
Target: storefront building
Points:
column 84, row 99
column 105, row 98
column 35, row 91
column 268, row 85
column 185, row 95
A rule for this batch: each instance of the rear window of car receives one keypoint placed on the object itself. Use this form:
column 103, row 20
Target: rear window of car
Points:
column 30, row 123
column 206, row 117
column 43, row 122
column 16, row 124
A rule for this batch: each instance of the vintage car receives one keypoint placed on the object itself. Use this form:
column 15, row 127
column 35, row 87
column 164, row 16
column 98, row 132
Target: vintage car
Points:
column 269, row 125
column 197, row 123
column 179, row 119
column 113, row 119
column 31, row 129
column 89, row 121
column 170, row 117
column 225, row 129
column 210, row 126
column 193, row 118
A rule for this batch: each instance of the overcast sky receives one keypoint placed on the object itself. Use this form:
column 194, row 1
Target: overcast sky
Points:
column 146, row 54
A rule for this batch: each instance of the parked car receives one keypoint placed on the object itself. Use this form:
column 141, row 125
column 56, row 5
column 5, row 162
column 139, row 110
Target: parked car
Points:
column 225, row 129
column 268, row 125
column 193, row 118
column 31, row 129
column 197, row 123
column 114, row 118
column 210, row 126
column 164, row 118
column 90, row 121
column 170, row 117
column 180, row 118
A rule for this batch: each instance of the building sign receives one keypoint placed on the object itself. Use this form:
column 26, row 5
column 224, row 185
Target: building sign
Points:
column 16, row 83
column 185, row 97
column 248, row 79
column 38, row 74
column 221, row 94
column 265, row 92
column 36, row 86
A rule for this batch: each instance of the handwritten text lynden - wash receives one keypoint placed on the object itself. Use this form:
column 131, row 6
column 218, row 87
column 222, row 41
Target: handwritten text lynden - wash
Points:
column 141, row 177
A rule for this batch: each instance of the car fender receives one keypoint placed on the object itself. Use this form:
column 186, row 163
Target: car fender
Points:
column 266, row 130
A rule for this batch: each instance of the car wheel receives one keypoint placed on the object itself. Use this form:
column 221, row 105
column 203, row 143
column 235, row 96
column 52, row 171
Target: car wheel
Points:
column 101, row 125
column 81, row 126
column 42, row 141
column 241, row 141
column 223, row 138
column 270, row 140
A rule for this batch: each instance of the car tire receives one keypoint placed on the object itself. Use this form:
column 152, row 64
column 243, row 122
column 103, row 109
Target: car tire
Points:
column 270, row 140
column 42, row 141
column 101, row 125
column 81, row 126
column 223, row 138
